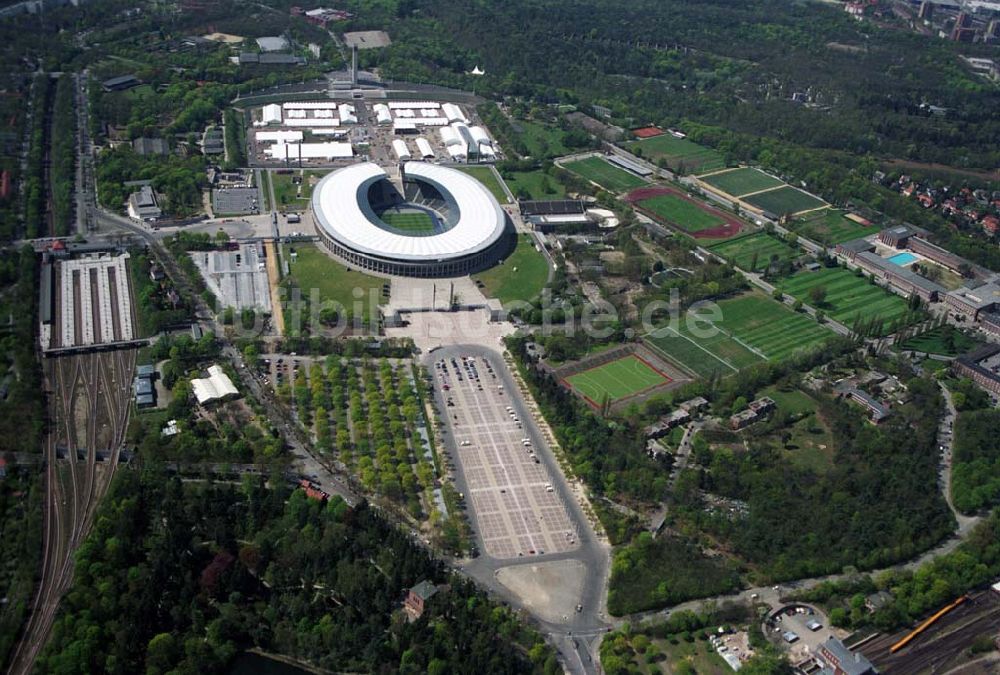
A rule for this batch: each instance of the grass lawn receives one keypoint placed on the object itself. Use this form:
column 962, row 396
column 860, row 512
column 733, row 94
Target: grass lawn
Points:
column 678, row 153
column 934, row 342
column 739, row 182
column 541, row 140
column 312, row 268
column 682, row 213
column 752, row 328
column 831, row 226
column 810, row 444
column 287, row 194
column 534, row 185
column 616, row 380
column 410, row 222
column 485, row 175
column 522, row 276
column 741, row 251
column 605, row 174
column 785, row 200
column 681, row 657
column 847, row 296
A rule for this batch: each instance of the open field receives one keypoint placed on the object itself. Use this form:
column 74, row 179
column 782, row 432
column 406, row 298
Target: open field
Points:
column 676, row 209
column 934, row 342
column 312, row 268
column 608, row 176
column 752, row 328
column 830, row 227
column 534, row 185
column 485, row 175
column 522, row 276
column 287, row 193
column 741, row 251
column 810, row 444
column 618, row 379
column 541, row 140
column 785, row 201
column 739, row 182
column 847, row 295
column 411, row 222
column 678, row 153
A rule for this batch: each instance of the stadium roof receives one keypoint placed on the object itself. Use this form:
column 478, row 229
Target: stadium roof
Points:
column 340, row 204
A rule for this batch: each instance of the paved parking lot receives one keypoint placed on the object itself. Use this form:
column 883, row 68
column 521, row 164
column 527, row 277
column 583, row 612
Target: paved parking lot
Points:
column 518, row 511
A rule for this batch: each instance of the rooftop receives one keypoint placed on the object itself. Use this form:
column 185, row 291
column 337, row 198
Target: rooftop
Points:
column 217, row 385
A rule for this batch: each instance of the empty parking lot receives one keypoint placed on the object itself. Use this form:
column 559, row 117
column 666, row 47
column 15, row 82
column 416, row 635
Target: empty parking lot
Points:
column 518, row 510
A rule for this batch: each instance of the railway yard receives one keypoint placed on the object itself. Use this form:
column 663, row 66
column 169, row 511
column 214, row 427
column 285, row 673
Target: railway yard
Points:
column 89, row 402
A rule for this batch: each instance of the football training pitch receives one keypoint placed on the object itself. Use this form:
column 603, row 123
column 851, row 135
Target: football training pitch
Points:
column 741, row 251
column 605, row 174
column 752, row 328
column 682, row 213
column 785, row 201
column 832, row 226
column 847, row 296
column 739, row 182
column 676, row 209
column 622, row 378
column 679, row 153
column 411, row 222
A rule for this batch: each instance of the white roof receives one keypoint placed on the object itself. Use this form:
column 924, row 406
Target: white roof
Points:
column 407, row 125
column 399, row 147
column 310, row 105
column 396, row 105
column 272, row 113
column 330, row 150
column 431, row 121
column 314, row 122
column 278, row 136
column 295, row 112
column 424, row 147
column 341, row 208
column 217, row 385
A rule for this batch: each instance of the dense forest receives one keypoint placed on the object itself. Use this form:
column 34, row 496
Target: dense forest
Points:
column 875, row 506
column 975, row 478
column 188, row 574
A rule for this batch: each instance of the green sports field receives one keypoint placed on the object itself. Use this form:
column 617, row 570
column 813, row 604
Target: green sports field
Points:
column 739, row 182
column 485, row 175
column 847, row 295
column 785, row 201
column 831, row 226
column 522, row 276
column 410, row 222
column 682, row 213
column 607, row 175
column 751, row 328
column 678, row 153
column 741, row 251
column 616, row 380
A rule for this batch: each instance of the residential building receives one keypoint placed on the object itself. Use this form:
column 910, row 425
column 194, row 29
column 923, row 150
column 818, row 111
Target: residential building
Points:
column 417, row 597
column 971, row 302
column 981, row 366
column 877, row 601
column 150, row 146
column 837, row 659
column 120, row 83
column 756, row 410
column 142, row 205
column 694, row 405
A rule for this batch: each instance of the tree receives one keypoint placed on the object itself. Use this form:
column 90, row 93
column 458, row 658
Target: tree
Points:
column 817, row 295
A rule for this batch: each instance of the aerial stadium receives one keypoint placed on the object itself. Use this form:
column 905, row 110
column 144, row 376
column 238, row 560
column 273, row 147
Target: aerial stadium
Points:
column 435, row 222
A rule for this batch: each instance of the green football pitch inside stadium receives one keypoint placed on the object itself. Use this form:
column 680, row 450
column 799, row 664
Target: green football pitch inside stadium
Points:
column 411, row 222
column 616, row 380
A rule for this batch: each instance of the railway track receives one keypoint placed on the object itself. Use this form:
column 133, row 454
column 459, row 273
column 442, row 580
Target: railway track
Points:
column 89, row 404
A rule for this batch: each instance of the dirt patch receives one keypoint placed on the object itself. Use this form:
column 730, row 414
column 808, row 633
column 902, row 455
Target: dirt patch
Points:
column 549, row 590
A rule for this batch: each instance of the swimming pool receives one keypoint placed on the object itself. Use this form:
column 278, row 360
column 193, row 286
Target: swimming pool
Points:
column 902, row 258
